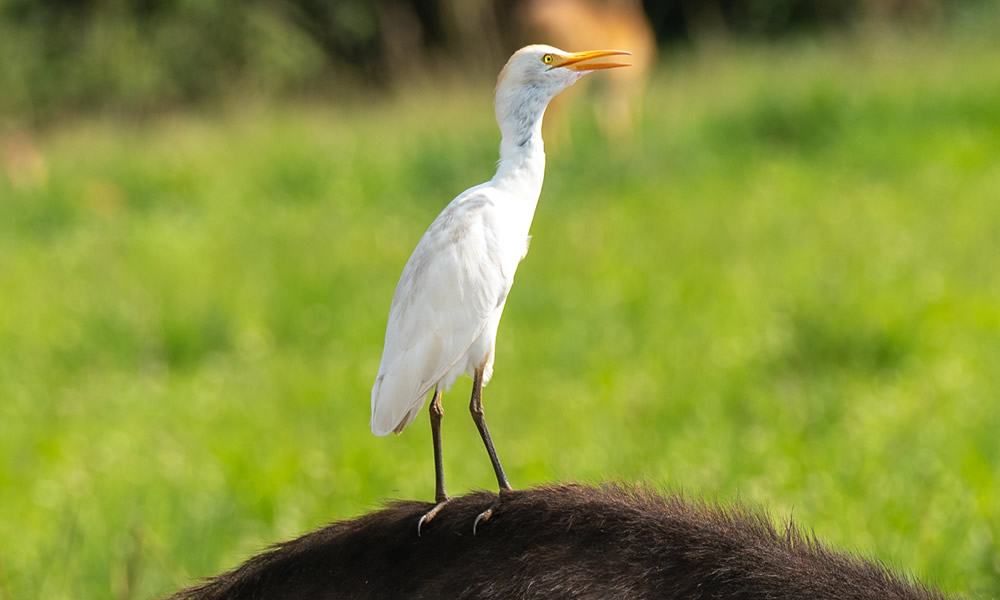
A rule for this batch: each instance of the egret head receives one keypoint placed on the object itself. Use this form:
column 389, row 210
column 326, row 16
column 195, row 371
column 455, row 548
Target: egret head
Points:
column 535, row 74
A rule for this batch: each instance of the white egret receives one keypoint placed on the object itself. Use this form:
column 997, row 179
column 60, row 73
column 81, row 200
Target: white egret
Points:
column 447, row 305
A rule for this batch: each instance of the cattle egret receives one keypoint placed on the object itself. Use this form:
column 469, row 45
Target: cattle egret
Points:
column 447, row 305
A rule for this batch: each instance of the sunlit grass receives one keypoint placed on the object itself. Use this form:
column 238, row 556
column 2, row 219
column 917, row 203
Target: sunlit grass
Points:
column 786, row 291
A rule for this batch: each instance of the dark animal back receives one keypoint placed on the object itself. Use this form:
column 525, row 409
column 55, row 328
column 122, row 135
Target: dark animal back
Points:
column 569, row 541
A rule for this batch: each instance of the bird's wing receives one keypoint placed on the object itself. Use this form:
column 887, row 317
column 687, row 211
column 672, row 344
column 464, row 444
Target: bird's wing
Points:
column 452, row 284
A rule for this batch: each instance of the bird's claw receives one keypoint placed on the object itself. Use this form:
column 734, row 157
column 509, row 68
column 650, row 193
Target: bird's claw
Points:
column 483, row 516
column 431, row 514
column 420, row 523
column 486, row 514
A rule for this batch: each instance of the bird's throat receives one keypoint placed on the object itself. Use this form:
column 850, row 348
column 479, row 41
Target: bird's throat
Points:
column 522, row 163
column 519, row 116
column 522, row 153
column 522, row 149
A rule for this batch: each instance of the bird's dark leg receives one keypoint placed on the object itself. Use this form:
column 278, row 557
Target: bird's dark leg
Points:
column 440, row 496
column 437, row 412
column 476, row 408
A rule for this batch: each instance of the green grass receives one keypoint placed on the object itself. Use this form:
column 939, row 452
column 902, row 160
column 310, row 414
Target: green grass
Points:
column 787, row 293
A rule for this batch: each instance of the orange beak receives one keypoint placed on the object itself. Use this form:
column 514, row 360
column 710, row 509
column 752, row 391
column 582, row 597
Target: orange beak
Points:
column 576, row 61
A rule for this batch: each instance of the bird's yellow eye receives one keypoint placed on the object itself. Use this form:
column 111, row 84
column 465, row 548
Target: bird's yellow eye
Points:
column 547, row 59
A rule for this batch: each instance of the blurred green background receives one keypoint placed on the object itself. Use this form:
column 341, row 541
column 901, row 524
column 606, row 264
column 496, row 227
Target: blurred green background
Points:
column 783, row 291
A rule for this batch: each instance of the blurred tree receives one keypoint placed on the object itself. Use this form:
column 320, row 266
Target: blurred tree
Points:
column 141, row 54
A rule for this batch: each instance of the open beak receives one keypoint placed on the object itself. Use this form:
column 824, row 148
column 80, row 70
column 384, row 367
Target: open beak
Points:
column 577, row 61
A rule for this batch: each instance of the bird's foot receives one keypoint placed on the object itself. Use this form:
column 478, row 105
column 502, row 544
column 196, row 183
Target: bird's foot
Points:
column 486, row 514
column 431, row 514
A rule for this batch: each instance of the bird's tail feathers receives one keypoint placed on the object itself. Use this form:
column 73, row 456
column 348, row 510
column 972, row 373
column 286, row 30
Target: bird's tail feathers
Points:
column 392, row 409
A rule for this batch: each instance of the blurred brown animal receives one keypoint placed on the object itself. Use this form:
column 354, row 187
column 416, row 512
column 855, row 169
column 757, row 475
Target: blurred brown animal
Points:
column 619, row 24
column 570, row 541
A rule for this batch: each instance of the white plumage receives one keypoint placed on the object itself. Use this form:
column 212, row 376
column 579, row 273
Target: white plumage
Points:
column 447, row 305
column 448, row 302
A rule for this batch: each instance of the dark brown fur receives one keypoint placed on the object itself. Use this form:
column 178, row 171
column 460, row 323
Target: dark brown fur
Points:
column 570, row 541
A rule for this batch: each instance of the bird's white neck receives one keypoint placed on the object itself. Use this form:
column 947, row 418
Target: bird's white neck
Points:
column 522, row 152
